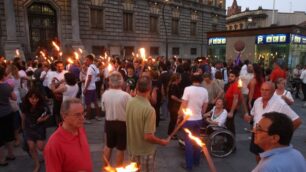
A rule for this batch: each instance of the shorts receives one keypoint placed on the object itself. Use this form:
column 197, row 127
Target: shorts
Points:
column 115, row 134
column 90, row 97
column 7, row 129
column 255, row 149
column 146, row 162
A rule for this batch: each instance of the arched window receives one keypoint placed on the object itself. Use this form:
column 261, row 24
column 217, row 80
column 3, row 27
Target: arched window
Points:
column 42, row 25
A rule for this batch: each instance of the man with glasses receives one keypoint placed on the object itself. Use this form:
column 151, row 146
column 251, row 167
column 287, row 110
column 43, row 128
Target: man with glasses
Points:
column 273, row 134
column 269, row 103
column 67, row 148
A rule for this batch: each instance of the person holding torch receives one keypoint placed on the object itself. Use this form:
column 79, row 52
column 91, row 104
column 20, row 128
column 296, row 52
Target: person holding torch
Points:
column 194, row 98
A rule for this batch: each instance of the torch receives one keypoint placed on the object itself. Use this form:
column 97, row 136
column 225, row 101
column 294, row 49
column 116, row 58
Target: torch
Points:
column 187, row 113
column 199, row 142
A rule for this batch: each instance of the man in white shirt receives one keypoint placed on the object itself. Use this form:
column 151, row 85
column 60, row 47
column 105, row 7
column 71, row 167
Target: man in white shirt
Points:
column 195, row 98
column 303, row 78
column 114, row 102
column 269, row 103
column 57, row 78
column 89, row 90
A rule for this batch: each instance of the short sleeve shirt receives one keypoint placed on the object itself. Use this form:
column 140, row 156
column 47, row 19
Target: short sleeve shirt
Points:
column 274, row 105
column 229, row 95
column 93, row 71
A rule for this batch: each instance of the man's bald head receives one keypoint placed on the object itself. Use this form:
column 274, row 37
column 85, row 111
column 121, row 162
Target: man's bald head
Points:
column 267, row 90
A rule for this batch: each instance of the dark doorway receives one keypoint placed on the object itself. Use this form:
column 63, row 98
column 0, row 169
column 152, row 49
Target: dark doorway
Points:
column 42, row 25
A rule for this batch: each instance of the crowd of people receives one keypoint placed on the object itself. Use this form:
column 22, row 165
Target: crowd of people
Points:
column 135, row 95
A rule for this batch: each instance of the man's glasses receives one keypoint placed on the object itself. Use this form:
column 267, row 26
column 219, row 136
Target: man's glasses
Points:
column 258, row 128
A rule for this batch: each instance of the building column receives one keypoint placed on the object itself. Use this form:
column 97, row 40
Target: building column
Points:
column 11, row 43
column 75, row 24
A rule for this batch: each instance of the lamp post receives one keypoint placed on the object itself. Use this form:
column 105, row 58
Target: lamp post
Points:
column 164, row 23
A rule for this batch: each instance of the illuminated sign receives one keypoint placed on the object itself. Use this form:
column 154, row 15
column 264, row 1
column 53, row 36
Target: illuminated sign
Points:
column 298, row 39
column 217, row 41
column 273, row 39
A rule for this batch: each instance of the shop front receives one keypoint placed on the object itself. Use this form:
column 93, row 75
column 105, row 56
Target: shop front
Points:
column 217, row 49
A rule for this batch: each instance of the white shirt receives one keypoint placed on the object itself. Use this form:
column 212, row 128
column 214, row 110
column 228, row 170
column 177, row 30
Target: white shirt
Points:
column 45, row 81
column 286, row 93
column 274, row 105
column 244, row 70
column 113, row 102
column 93, row 71
column 303, row 76
column 246, row 78
column 221, row 119
column 22, row 74
column 58, row 76
column 196, row 96
column 71, row 91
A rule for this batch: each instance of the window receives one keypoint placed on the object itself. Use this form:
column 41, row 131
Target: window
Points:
column 153, row 24
column 214, row 27
column 235, row 27
column 175, row 51
column 128, row 51
column 175, row 26
column 154, row 51
column 127, row 21
column 96, row 18
column 42, row 25
column 241, row 26
column 193, row 28
column 193, row 51
column 98, row 50
column 230, row 27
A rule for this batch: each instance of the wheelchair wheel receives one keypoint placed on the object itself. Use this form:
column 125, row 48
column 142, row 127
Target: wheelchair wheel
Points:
column 221, row 143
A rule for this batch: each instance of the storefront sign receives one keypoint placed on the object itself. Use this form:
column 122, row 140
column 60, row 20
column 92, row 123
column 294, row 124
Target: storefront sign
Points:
column 273, row 39
column 298, row 39
column 217, row 41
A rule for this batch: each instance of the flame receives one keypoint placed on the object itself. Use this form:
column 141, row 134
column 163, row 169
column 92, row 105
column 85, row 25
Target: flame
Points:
column 17, row 53
column 149, row 67
column 132, row 167
column 153, row 60
column 142, row 52
column 187, row 112
column 194, row 138
column 133, row 54
column 42, row 54
column 109, row 67
column 60, row 53
column 80, row 50
column 76, row 55
column 56, row 46
column 70, row 60
column 4, row 61
column 240, row 83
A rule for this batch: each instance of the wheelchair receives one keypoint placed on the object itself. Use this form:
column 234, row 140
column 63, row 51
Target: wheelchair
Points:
column 219, row 141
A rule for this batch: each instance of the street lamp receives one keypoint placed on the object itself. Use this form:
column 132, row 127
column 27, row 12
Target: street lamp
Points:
column 164, row 23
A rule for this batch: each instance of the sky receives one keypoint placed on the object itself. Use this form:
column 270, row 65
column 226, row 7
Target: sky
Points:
column 280, row 5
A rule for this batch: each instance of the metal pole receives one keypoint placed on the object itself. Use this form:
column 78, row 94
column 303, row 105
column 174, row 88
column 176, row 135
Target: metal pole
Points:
column 273, row 13
column 166, row 34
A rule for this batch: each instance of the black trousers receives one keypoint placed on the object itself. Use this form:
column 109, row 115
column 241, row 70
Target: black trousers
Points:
column 173, row 120
column 230, row 123
column 304, row 90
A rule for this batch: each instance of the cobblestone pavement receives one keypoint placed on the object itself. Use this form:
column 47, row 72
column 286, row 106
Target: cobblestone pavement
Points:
column 170, row 158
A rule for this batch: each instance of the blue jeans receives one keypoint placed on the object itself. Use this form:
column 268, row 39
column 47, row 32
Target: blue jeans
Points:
column 192, row 151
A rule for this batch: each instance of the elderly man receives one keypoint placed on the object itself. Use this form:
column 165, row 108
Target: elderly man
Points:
column 273, row 134
column 140, row 121
column 269, row 103
column 195, row 98
column 67, row 148
column 114, row 102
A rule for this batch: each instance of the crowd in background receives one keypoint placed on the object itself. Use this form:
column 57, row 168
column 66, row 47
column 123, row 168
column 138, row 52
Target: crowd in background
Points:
column 32, row 93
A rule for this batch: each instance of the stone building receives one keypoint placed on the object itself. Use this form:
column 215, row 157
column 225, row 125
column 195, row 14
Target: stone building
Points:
column 260, row 18
column 118, row 27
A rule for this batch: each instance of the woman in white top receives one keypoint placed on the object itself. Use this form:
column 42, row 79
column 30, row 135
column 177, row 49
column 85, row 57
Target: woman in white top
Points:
column 217, row 116
column 282, row 93
column 69, row 88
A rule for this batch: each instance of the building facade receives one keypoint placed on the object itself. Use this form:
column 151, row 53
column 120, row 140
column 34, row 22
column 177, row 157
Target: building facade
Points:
column 260, row 18
column 118, row 27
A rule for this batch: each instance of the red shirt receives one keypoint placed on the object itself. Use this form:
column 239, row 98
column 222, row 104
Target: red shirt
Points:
column 277, row 73
column 229, row 95
column 66, row 152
